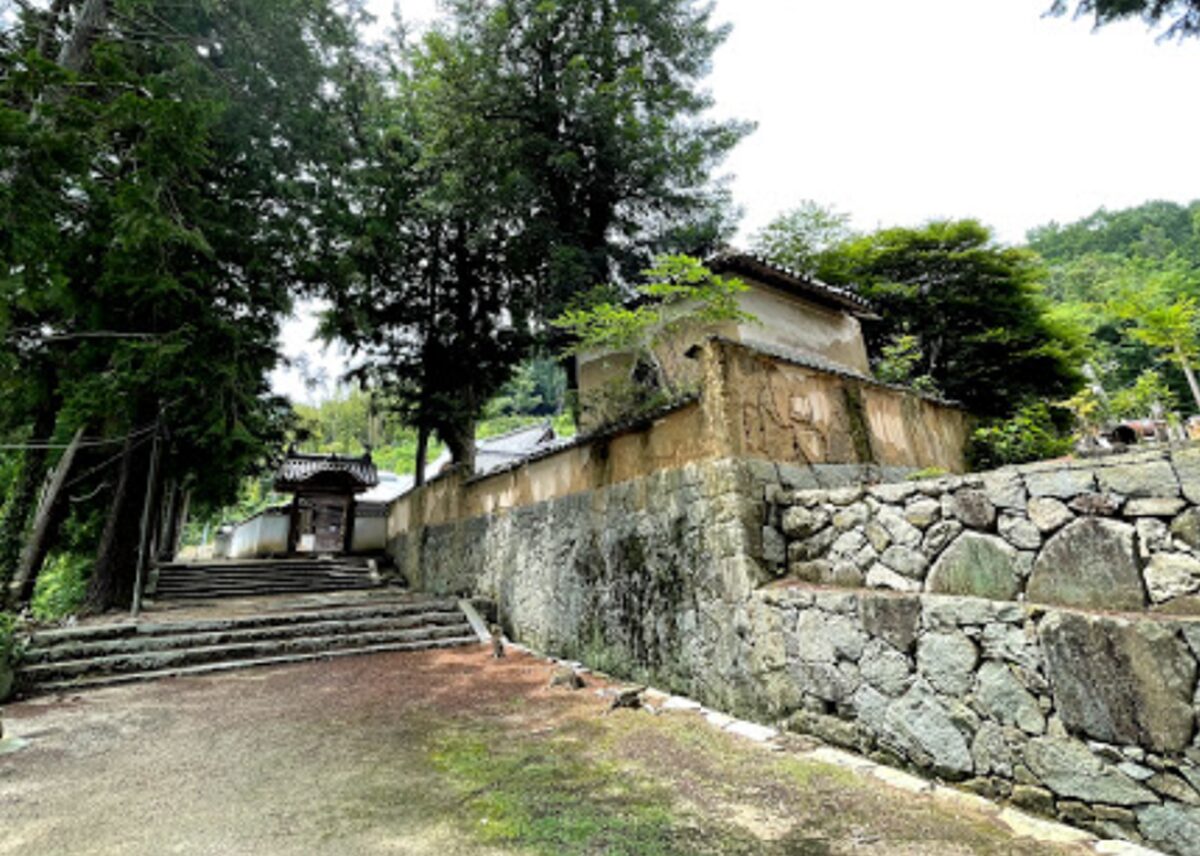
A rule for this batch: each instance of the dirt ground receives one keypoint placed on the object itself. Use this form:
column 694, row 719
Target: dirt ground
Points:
column 434, row 753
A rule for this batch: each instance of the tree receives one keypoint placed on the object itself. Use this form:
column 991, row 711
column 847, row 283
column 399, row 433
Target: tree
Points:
column 1147, row 256
column 525, row 150
column 1172, row 327
column 1182, row 17
column 161, row 194
column 974, row 306
column 680, row 296
column 797, row 238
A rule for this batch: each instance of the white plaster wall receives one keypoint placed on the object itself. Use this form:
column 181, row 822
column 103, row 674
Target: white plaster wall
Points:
column 265, row 535
column 370, row 533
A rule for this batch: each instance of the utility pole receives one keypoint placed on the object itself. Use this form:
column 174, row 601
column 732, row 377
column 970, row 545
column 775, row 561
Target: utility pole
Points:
column 147, row 510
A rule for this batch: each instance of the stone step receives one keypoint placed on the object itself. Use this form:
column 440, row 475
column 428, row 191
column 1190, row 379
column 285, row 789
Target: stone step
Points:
column 262, row 586
column 392, row 606
column 225, row 666
column 145, row 643
column 154, row 661
column 349, row 561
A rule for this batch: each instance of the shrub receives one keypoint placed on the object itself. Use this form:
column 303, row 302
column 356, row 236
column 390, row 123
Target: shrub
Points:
column 1031, row 434
column 61, row 586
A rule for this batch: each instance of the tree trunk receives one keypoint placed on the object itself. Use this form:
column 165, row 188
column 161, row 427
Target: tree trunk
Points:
column 116, row 556
column 1190, row 375
column 181, row 519
column 422, row 454
column 49, row 515
column 148, row 525
column 49, row 26
column 460, row 440
column 24, row 493
column 167, row 519
column 76, row 50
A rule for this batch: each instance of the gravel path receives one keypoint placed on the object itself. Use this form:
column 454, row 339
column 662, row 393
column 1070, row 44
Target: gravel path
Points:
column 390, row 754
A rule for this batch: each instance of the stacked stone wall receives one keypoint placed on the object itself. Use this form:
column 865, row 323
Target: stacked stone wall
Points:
column 1121, row 533
column 1058, row 672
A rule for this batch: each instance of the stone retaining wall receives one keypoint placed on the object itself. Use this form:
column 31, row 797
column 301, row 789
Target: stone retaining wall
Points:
column 1122, row 533
column 682, row 577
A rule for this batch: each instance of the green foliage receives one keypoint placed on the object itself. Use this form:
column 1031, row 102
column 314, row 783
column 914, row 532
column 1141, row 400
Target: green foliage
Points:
column 797, row 238
column 975, row 307
column 899, row 361
column 1033, row 433
column 61, row 586
column 162, row 199
column 520, row 152
column 528, row 795
column 1126, row 281
column 8, row 629
column 681, row 296
column 1181, row 17
column 537, row 388
column 1148, row 395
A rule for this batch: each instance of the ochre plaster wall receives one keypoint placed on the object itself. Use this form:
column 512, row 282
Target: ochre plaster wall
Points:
column 787, row 413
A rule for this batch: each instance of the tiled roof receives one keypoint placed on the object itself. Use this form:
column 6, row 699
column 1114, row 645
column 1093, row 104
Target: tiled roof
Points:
column 789, row 280
column 300, row 467
column 496, row 452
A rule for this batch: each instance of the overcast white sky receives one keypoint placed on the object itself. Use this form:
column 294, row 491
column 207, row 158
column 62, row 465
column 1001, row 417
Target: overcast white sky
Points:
column 898, row 113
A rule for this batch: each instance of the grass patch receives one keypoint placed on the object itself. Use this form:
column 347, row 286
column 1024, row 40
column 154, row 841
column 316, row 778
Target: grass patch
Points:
column 545, row 796
column 562, row 796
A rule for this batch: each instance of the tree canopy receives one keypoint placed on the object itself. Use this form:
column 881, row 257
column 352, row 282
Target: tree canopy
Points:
column 162, row 166
column 520, row 153
column 1180, row 17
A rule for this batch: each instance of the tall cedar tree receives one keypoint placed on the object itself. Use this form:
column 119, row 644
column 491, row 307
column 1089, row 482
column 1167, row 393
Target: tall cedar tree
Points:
column 161, row 193
column 529, row 150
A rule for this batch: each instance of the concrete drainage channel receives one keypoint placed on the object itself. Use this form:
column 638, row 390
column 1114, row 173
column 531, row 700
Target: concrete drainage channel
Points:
column 1021, row 824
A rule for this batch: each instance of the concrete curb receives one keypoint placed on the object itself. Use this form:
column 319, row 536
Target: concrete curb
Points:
column 475, row 620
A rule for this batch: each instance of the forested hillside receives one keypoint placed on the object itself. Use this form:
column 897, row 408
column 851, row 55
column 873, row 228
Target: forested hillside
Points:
column 1129, row 282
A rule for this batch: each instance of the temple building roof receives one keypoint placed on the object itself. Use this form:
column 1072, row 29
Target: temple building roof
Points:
column 792, row 281
column 301, row 471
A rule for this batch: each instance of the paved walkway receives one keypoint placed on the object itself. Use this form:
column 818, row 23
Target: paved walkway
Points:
column 438, row 753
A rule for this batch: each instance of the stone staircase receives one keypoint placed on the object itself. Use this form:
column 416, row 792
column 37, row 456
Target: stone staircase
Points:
column 247, row 577
column 77, row 658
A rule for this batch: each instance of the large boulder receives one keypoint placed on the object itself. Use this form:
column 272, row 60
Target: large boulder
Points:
column 920, row 727
column 1151, row 478
column 976, row 565
column 947, row 661
column 1069, row 769
column 1060, row 483
column 891, row 618
column 1002, row 697
column 1089, row 564
column 1120, row 681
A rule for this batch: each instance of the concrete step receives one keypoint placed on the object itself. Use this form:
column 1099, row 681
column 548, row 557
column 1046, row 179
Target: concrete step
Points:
column 167, row 659
column 217, row 667
column 145, row 643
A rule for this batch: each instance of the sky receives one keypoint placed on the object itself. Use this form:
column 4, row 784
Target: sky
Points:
column 901, row 112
